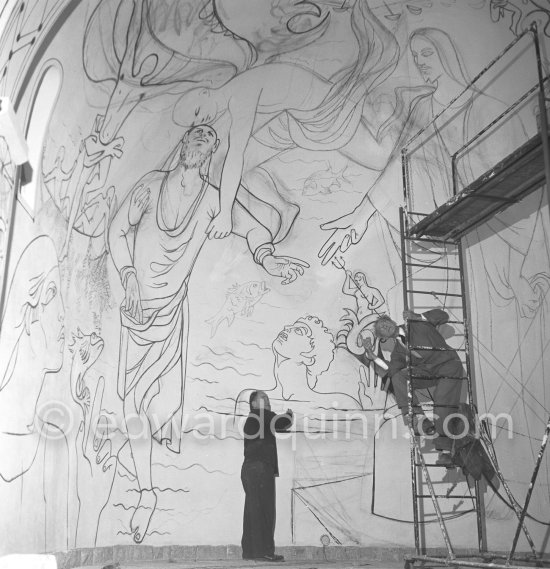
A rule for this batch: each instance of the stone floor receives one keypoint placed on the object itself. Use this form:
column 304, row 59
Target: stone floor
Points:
column 238, row 564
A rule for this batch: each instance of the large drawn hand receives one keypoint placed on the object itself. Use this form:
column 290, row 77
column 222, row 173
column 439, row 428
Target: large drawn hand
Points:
column 220, row 226
column 286, row 267
column 96, row 466
column 132, row 300
column 346, row 231
column 138, row 204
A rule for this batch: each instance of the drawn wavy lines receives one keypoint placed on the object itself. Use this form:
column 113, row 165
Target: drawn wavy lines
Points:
column 320, row 200
column 215, row 412
column 162, row 490
column 124, row 507
column 313, row 218
column 206, row 435
column 203, row 380
column 224, row 368
column 232, row 399
column 253, row 344
column 154, row 532
column 194, row 465
column 227, row 352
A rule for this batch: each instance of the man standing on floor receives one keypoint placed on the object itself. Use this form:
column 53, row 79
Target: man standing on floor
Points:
column 260, row 467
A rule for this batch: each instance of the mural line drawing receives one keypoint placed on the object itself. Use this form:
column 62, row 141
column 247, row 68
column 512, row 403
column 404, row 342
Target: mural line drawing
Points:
column 155, row 239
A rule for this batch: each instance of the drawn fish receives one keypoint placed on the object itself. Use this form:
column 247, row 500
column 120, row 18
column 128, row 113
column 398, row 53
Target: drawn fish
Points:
column 239, row 299
column 325, row 181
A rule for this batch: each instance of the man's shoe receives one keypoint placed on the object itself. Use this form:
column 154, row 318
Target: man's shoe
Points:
column 446, row 460
column 273, row 557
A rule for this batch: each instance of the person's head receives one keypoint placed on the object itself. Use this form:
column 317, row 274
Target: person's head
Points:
column 360, row 278
column 198, row 106
column 306, row 342
column 385, row 328
column 259, row 400
column 34, row 309
column 197, row 146
column 435, row 54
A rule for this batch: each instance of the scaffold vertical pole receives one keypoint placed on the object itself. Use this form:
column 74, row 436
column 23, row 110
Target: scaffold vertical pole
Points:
column 530, row 490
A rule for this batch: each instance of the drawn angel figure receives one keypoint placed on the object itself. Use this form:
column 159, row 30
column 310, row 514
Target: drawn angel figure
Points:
column 272, row 106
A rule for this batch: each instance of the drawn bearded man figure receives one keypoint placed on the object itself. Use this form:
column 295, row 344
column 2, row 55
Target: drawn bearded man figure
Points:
column 155, row 239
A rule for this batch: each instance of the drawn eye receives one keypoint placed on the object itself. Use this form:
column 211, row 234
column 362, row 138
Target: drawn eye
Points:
column 299, row 331
column 51, row 293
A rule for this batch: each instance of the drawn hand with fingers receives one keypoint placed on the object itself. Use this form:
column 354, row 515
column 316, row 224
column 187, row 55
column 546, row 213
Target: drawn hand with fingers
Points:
column 96, row 467
column 138, row 204
column 346, row 231
column 132, row 299
column 220, row 226
column 288, row 268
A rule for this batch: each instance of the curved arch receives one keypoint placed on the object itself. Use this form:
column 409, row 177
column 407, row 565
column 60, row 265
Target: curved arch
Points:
column 43, row 101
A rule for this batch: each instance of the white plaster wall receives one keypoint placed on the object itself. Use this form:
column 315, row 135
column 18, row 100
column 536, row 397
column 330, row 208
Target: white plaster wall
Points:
column 72, row 482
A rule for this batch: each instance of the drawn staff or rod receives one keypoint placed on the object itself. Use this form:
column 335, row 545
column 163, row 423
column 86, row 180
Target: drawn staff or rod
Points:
column 339, row 263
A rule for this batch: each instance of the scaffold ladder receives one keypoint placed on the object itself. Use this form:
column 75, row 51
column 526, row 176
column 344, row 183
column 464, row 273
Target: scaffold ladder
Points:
column 450, row 261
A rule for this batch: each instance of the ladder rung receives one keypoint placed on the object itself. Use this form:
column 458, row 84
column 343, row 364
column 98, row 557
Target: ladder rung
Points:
column 430, row 465
column 428, row 239
column 433, row 292
column 450, row 497
column 435, row 349
column 417, row 213
column 432, row 266
column 462, row 378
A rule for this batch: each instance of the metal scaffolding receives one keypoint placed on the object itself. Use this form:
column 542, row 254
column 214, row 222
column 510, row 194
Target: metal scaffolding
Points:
column 431, row 243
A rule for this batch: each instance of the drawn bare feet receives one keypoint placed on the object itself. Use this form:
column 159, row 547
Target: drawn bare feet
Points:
column 143, row 514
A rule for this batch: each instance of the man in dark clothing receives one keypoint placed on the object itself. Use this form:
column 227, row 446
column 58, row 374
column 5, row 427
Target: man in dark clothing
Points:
column 438, row 370
column 260, row 467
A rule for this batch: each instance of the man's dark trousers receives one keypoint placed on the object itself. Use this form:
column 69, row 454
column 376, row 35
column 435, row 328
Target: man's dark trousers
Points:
column 258, row 478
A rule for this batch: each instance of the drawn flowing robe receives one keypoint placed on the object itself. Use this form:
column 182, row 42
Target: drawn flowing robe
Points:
column 153, row 353
column 152, row 359
column 334, row 122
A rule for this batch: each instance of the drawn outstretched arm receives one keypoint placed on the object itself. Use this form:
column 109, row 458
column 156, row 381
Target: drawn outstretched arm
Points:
column 349, row 288
column 383, row 198
column 260, row 243
column 242, row 109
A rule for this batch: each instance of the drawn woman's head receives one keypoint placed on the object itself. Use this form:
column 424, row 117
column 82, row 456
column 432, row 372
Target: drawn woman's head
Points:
column 198, row 106
column 306, row 342
column 435, row 54
column 34, row 310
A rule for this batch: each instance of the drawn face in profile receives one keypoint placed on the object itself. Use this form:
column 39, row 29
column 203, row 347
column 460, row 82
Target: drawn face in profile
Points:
column 426, row 59
column 48, row 331
column 294, row 341
column 198, row 106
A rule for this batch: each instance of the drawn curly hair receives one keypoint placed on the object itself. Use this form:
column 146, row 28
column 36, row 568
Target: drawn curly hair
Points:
column 322, row 345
